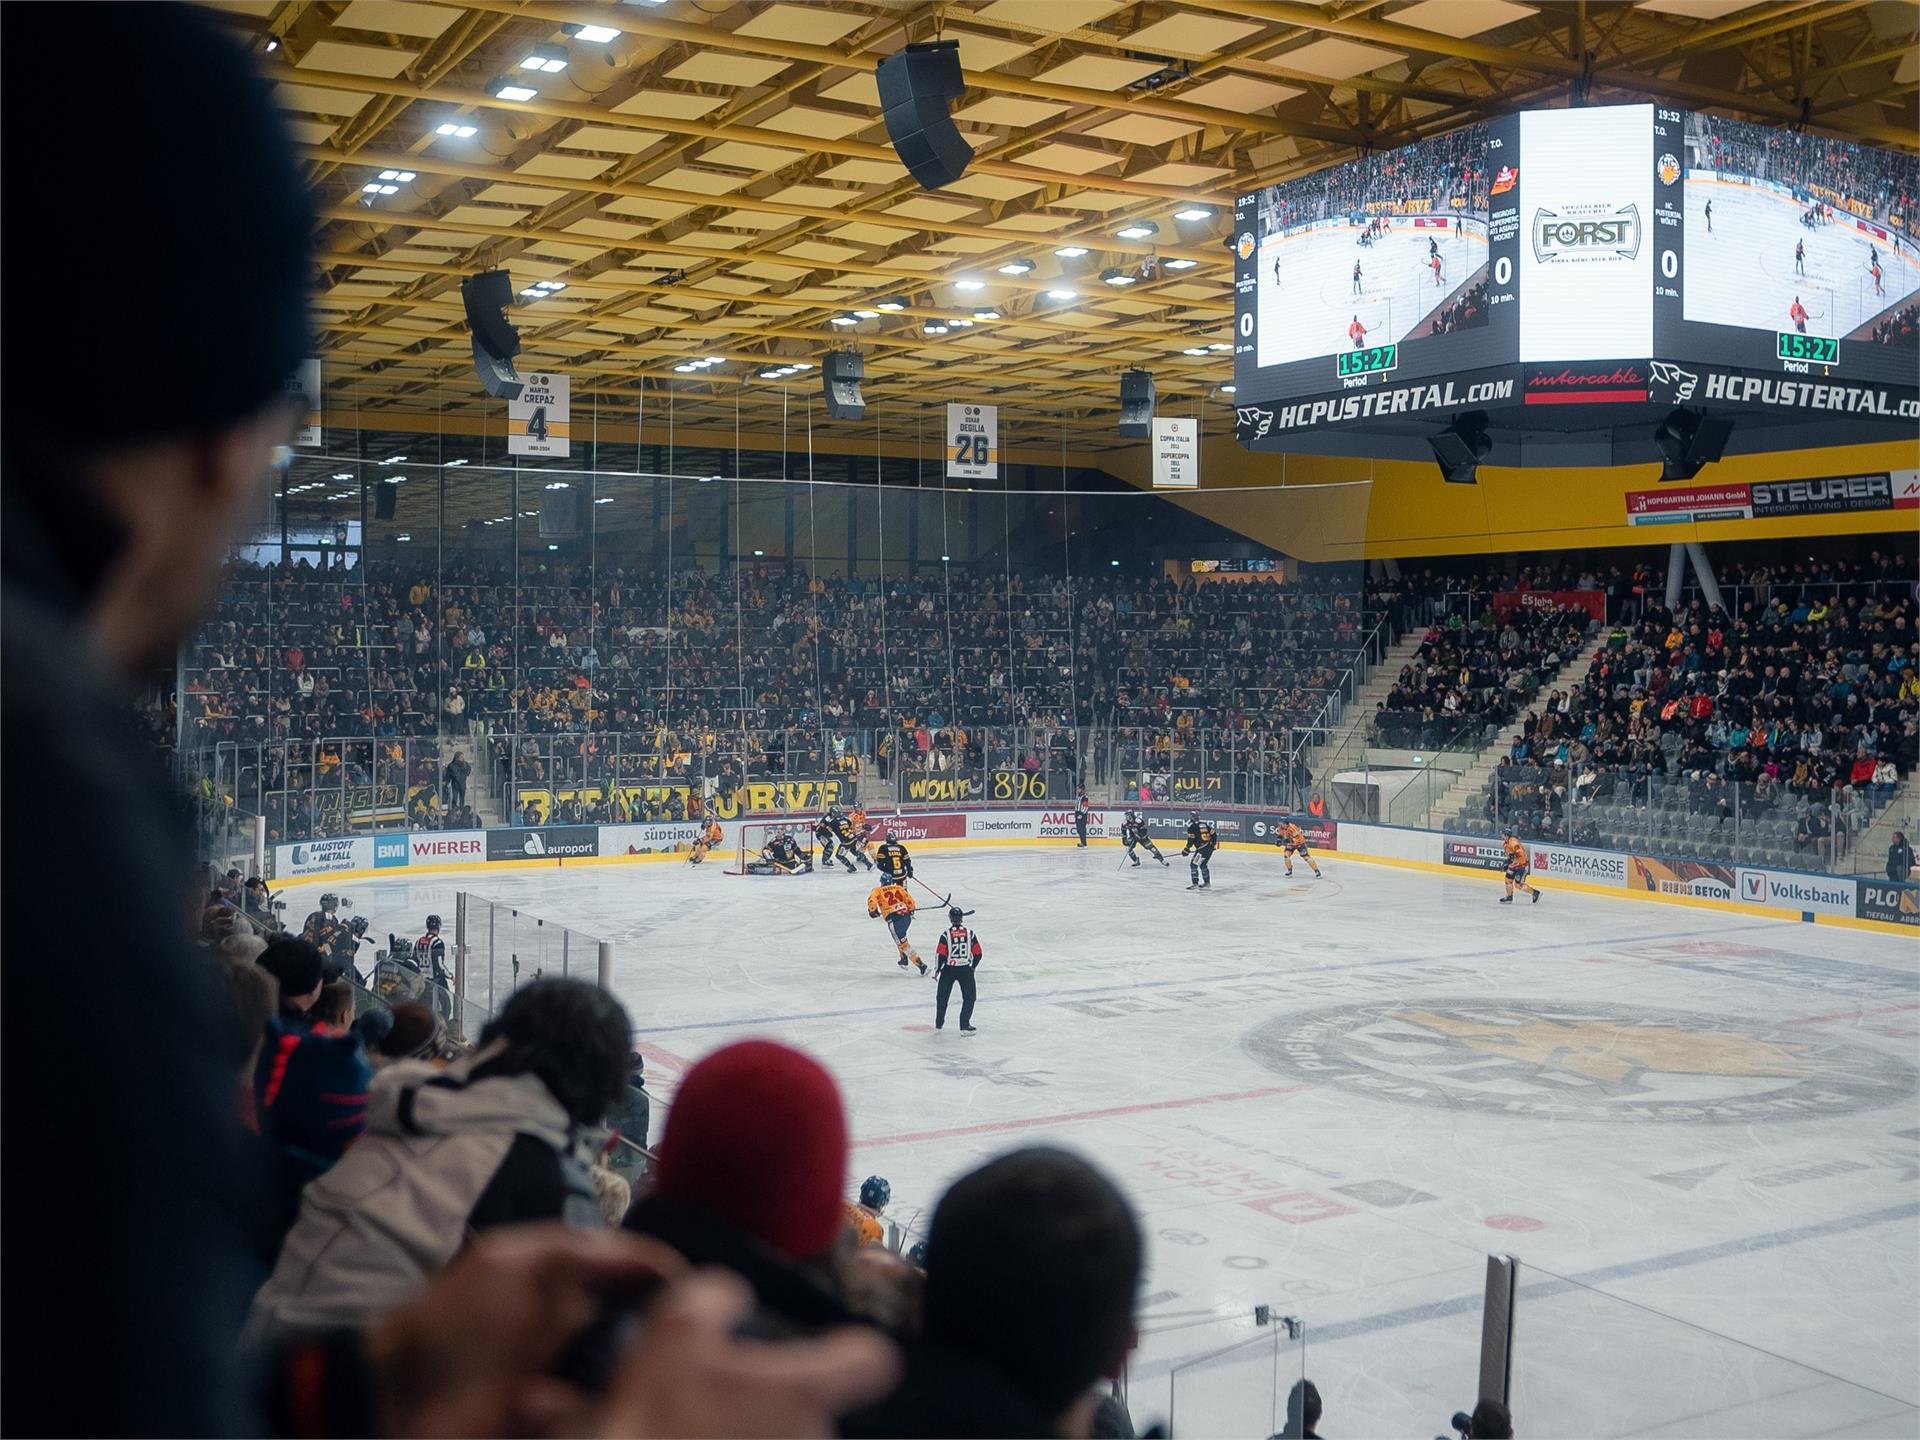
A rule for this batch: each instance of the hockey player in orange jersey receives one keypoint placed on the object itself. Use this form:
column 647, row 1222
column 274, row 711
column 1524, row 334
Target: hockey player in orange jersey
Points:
column 704, row 842
column 893, row 902
column 1516, row 869
column 1293, row 838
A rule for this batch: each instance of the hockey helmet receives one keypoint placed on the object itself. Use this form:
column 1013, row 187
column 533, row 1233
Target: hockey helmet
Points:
column 433, row 924
column 329, row 903
column 875, row 1193
column 955, row 914
column 917, row 1254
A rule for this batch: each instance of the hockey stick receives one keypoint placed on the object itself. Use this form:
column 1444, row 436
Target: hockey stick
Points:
column 944, row 899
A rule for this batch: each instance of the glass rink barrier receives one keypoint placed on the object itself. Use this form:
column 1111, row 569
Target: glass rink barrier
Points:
column 497, row 948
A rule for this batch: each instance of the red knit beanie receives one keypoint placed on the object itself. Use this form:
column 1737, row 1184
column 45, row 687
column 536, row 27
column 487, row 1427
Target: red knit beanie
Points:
column 756, row 1136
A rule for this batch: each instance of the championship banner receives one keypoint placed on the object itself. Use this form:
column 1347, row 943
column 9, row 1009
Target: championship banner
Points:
column 304, row 383
column 1176, row 453
column 539, row 422
column 1529, row 602
column 973, row 442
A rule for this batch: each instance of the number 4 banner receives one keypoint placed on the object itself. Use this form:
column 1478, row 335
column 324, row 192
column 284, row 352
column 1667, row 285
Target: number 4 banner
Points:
column 973, row 442
column 540, row 421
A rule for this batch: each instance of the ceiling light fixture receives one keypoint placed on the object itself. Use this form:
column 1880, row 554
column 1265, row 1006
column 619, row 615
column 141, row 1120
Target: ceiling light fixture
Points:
column 1227, row 389
column 892, row 302
column 934, row 327
column 986, row 314
column 1071, row 252
column 970, row 283
column 511, row 91
column 343, row 475
column 1193, row 213
column 604, row 500
column 1220, row 347
column 1138, row 230
column 545, row 60
column 558, row 485
column 1179, row 263
column 1063, row 294
column 1017, row 267
column 594, row 34
column 866, row 314
column 457, row 130
column 403, row 176
column 393, row 460
column 845, row 320
column 1194, row 350
column 403, row 538
column 1116, row 276
column 451, row 463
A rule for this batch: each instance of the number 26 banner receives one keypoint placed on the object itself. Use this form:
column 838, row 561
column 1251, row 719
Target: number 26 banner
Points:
column 973, row 442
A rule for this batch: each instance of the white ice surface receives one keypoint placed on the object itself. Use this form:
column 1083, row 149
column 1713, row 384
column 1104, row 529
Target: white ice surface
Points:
column 1115, row 1011
column 1308, row 311
column 1742, row 273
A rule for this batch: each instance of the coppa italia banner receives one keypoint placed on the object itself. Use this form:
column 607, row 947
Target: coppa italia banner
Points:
column 1528, row 602
column 1823, row 495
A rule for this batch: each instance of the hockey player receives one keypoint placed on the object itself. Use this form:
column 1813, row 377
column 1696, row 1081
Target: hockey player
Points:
column 1357, row 334
column 1435, row 263
column 863, row 1218
column 779, row 856
column 1356, row 285
column 1709, row 217
column 895, row 865
column 1200, row 845
column 956, row 957
column 1800, row 257
column 891, row 901
column 1433, row 248
column 824, row 830
column 1133, row 831
column 1874, row 270
column 1797, row 313
column 1080, row 819
column 1516, row 869
column 1276, row 272
column 849, row 841
column 704, row 842
column 1293, row 838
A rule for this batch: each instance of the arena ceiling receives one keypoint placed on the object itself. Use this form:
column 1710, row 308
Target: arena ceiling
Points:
column 714, row 180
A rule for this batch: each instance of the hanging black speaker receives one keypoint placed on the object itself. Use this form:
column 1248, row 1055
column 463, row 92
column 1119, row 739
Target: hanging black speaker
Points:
column 1136, row 402
column 495, row 342
column 840, row 375
column 915, row 85
column 383, row 497
column 563, row 515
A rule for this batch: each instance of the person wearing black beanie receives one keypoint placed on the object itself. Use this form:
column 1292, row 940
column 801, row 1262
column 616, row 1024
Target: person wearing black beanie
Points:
column 155, row 307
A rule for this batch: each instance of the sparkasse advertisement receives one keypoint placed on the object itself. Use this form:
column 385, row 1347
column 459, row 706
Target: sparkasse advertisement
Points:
column 1570, row 862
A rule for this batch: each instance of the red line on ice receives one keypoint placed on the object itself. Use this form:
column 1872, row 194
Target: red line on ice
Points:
column 1036, row 1122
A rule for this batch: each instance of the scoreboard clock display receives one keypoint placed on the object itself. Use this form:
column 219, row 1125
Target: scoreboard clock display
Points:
column 1548, row 265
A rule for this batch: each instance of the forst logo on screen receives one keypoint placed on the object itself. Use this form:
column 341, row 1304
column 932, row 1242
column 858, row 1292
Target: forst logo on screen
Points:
column 1586, row 232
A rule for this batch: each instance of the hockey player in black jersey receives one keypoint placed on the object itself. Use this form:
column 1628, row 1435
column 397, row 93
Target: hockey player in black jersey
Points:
column 779, row 856
column 1200, row 845
column 1133, row 831
column 846, row 834
column 893, row 861
column 825, row 831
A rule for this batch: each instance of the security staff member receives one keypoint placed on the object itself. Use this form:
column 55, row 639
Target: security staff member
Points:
column 956, row 956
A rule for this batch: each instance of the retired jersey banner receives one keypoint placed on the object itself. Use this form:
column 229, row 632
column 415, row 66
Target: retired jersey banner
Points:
column 540, row 422
column 304, row 383
column 973, row 442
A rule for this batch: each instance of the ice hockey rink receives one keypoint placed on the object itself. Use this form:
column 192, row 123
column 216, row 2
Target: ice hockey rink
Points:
column 1743, row 272
column 1700, row 1133
column 1307, row 311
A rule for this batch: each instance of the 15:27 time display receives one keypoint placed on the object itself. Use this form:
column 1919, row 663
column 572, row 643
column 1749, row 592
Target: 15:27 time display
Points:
column 1370, row 361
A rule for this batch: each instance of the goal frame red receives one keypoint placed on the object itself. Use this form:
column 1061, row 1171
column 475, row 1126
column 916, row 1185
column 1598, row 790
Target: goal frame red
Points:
column 755, row 835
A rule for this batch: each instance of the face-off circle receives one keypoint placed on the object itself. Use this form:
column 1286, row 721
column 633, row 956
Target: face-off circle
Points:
column 1554, row 1060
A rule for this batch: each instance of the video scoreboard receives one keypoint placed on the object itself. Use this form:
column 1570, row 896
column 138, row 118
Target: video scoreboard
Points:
column 1573, row 271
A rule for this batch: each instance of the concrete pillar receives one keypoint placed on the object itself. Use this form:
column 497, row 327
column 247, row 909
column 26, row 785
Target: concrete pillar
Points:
column 1676, row 572
column 1703, row 567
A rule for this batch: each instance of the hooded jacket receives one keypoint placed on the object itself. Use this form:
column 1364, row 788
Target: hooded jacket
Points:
column 445, row 1154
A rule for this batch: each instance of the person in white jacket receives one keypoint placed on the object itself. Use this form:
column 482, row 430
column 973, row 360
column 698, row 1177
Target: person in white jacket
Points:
column 450, row 1152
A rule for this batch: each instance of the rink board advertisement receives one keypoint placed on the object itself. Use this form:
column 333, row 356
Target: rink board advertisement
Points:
column 1889, row 903
column 544, row 842
column 1791, row 890
column 1680, row 877
column 651, row 839
column 1571, row 862
column 1473, row 853
column 322, row 857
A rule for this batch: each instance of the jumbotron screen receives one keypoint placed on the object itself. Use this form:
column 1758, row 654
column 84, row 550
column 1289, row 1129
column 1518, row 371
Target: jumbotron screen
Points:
column 1610, row 256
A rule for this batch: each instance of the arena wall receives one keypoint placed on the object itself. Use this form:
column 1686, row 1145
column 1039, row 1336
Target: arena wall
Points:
column 1744, row 890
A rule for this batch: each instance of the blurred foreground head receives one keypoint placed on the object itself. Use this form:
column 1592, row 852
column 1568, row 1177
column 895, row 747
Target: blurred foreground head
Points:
column 156, row 305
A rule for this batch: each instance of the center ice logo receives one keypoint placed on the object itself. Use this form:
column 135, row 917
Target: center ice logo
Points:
column 1586, row 232
column 1580, row 1061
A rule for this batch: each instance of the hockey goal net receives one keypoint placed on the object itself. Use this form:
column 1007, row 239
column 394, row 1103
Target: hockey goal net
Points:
column 756, row 835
